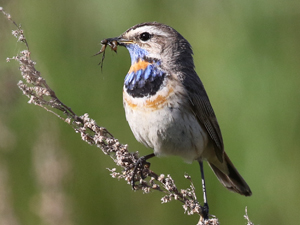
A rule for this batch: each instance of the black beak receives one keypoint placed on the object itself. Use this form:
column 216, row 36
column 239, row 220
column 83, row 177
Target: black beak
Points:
column 114, row 42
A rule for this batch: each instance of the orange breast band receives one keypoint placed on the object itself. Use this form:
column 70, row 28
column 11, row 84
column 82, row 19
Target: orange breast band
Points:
column 153, row 103
column 139, row 65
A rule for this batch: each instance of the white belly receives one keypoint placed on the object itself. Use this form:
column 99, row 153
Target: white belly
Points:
column 166, row 124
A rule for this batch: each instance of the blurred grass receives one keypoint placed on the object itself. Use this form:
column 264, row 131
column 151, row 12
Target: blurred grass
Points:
column 247, row 53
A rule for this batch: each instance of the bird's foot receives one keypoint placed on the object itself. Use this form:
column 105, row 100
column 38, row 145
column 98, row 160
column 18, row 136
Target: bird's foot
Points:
column 205, row 211
column 139, row 167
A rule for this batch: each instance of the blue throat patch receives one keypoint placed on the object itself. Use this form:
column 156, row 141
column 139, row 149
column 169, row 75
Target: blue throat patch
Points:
column 145, row 77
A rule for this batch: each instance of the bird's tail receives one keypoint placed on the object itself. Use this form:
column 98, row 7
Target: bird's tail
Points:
column 229, row 176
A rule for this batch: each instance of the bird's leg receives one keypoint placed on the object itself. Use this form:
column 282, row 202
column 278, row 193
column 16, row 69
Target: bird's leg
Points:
column 205, row 209
column 139, row 164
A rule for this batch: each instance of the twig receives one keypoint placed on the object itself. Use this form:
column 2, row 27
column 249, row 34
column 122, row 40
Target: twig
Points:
column 247, row 217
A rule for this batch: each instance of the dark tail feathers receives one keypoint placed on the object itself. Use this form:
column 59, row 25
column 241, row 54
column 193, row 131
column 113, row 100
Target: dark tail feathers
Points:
column 233, row 181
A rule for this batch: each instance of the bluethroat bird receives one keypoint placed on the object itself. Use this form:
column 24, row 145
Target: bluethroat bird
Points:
column 166, row 105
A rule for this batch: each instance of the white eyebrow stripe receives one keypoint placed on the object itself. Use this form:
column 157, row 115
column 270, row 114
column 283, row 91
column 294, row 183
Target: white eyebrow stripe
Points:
column 148, row 28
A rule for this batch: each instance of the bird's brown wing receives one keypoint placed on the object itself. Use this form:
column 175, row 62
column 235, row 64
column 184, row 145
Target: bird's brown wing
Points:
column 224, row 170
column 204, row 112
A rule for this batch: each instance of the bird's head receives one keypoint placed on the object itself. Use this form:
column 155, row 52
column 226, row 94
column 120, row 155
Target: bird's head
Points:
column 156, row 51
column 157, row 42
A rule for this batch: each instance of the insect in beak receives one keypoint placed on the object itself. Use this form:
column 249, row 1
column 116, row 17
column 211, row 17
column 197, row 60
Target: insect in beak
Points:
column 113, row 44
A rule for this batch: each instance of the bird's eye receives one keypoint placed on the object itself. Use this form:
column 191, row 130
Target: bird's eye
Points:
column 145, row 36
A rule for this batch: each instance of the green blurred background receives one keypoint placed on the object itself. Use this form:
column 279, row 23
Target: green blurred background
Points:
column 247, row 53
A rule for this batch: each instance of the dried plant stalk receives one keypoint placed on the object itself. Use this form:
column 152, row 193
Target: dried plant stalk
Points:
column 37, row 90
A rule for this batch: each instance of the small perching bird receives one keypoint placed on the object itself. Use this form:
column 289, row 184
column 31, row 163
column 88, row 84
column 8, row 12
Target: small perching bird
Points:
column 166, row 105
